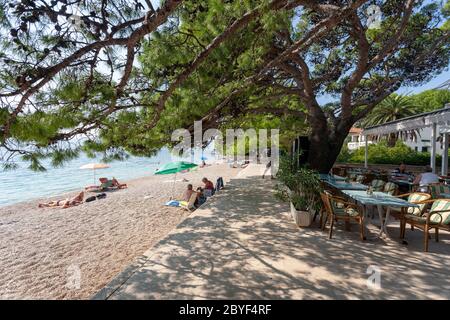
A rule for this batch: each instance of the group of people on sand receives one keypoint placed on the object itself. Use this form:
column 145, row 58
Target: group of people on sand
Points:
column 105, row 185
column 202, row 192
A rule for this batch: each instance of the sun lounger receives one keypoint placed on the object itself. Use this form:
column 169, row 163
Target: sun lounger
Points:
column 106, row 185
column 191, row 204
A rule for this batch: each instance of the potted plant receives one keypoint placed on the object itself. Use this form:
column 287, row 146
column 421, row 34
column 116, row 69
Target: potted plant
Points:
column 301, row 187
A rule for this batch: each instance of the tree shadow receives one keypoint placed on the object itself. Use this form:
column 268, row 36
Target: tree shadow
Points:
column 242, row 244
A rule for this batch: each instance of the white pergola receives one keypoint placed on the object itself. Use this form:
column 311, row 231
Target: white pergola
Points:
column 432, row 119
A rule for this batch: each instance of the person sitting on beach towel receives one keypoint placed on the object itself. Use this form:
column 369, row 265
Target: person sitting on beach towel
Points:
column 78, row 199
column 208, row 190
column 201, row 199
column 188, row 193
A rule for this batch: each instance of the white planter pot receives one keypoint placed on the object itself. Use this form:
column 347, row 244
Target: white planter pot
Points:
column 301, row 218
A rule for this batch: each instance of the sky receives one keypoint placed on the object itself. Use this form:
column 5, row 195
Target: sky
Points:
column 434, row 83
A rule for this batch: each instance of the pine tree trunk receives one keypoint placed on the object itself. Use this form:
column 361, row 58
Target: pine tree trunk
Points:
column 325, row 146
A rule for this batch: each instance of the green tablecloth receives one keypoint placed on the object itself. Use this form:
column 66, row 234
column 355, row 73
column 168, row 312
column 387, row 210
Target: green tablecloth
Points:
column 342, row 185
column 378, row 198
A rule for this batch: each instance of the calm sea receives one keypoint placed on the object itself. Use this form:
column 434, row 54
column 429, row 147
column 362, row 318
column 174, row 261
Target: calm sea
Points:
column 23, row 184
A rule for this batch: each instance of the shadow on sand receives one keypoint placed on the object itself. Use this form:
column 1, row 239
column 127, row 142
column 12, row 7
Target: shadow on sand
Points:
column 242, row 244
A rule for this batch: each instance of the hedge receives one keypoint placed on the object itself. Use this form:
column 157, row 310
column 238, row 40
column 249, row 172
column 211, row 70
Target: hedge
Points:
column 380, row 153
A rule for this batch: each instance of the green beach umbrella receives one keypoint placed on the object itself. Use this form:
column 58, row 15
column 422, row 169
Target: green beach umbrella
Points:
column 175, row 167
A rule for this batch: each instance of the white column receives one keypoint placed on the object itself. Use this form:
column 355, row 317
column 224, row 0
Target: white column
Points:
column 366, row 152
column 445, row 155
column 433, row 147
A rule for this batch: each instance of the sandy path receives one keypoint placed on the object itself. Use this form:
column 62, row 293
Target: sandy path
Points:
column 42, row 251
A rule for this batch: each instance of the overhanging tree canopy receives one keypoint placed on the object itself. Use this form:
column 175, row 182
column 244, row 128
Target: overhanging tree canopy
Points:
column 125, row 75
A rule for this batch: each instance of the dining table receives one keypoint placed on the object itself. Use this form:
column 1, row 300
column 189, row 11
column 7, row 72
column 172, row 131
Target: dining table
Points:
column 344, row 185
column 326, row 176
column 379, row 200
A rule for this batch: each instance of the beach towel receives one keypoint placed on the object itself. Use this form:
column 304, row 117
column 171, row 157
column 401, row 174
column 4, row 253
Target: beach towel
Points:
column 173, row 203
column 176, row 203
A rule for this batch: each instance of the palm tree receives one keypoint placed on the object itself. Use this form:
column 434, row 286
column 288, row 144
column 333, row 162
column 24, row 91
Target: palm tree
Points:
column 394, row 107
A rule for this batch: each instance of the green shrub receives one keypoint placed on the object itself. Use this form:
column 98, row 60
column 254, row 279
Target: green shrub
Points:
column 380, row 153
column 303, row 183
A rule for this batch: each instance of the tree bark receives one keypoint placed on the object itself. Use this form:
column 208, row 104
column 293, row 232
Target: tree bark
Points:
column 325, row 145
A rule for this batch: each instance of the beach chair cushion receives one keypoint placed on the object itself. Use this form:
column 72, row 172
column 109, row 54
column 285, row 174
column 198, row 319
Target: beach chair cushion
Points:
column 339, row 209
column 415, row 197
column 440, row 205
column 378, row 185
column 390, row 188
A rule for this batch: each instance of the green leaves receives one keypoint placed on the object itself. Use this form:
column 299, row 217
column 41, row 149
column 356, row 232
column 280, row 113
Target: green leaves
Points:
column 303, row 183
column 431, row 99
column 380, row 153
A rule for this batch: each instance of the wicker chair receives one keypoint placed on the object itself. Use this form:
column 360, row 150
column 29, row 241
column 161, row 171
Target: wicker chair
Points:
column 378, row 185
column 438, row 217
column 360, row 178
column 414, row 197
column 390, row 188
column 338, row 209
column 437, row 189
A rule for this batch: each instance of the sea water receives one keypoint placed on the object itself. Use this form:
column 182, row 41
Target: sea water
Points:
column 23, row 184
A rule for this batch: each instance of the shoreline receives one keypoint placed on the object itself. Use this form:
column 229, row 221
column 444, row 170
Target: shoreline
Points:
column 42, row 249
column 73, row 191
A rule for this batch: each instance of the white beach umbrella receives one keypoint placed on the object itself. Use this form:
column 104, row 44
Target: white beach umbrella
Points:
column 94, row 166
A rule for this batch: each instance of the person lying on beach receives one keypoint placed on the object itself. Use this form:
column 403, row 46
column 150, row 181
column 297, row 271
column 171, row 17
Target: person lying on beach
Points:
column 106, row 184
column 117, row 184
column 78, row 199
